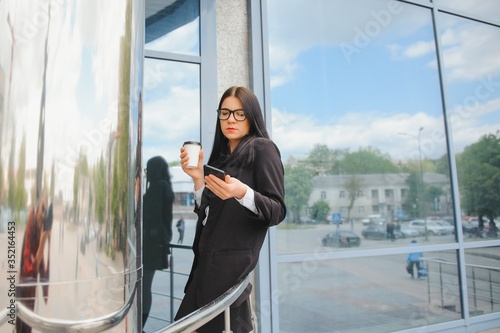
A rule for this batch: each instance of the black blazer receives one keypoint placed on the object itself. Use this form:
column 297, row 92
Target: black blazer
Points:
column 227, row 248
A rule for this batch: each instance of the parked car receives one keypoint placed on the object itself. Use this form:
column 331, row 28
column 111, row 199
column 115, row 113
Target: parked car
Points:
column 374, row 231
column 433, row 229
column 341, row 238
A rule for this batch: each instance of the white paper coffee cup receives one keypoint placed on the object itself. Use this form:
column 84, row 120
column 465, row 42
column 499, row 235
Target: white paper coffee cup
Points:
column 193, row 150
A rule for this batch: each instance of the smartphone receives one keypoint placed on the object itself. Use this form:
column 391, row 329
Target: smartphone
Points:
column 210, row 170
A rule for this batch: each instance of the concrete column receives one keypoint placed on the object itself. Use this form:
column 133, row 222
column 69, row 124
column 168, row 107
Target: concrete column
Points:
column 232, row 44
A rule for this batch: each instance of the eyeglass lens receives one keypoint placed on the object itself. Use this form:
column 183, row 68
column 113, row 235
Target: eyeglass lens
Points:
column 237, row 114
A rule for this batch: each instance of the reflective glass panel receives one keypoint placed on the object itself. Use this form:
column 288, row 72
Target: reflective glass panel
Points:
column 374, row 294
column 472, row 73
column 171, row 108
column 483, row 280
column 171, row 116
column 173, row 26
column 487, row 9
column 357, row 116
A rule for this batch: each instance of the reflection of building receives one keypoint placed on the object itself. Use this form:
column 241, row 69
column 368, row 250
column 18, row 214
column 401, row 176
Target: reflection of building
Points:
column 379, row 193
column 183, row 189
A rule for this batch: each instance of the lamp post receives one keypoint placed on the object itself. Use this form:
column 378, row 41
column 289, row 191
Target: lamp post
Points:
column 421, row 182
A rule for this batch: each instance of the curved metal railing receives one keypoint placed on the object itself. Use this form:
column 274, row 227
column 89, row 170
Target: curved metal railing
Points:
column 99, row 324
column 206, row 313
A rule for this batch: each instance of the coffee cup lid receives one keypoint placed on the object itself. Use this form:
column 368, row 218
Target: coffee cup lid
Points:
column 192, row 143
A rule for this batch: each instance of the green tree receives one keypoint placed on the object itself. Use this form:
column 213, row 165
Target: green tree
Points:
column 298, row 188
column 479, row 176
column 320, row 210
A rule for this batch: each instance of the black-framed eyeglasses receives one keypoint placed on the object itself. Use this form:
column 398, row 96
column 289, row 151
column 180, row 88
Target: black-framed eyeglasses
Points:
column 224, row 114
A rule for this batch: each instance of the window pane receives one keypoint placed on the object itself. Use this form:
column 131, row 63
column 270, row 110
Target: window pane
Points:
column 373, row 294
column 487, row 9
column 171, row 108
column 472, row 79
column 173, row 26
column 483, row 280
column 357, row 110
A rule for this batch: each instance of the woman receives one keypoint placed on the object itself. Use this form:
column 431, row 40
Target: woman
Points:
column 157, row 225
column 234, row 214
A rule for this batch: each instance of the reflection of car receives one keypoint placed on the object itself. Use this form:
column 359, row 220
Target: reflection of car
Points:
column 373, row 219
column 341, row 238
column 407, row 232
column 470, row 229
column 449, row 226
column 432, row 227
column 374, row 231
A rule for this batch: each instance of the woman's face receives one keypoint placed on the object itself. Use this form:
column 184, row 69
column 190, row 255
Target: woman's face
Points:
column 233, row 129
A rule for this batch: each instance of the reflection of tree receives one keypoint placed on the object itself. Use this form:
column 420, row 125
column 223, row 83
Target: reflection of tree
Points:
column 320, row 210
column 367, row 160
column 121, row 162
column 81, row 172
column 11, row 185
column 298, row 188
column 354, row 187
column 20, row 201
column 100, row 190
column 411, row 203
column 479, row 175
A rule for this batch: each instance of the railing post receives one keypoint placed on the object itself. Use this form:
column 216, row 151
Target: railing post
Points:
column 491, row 291
column 227, row 321
column 171, row 285
column 474, row 288
column 441, row 285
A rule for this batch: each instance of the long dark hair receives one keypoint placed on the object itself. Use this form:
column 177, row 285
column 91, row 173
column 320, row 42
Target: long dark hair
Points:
column 220, row 151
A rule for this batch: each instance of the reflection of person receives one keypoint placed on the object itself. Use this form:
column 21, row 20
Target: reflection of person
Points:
column 390, row 231
column 157, row 225
column 33, row 263
column 180, row 228
column 413, row 260
column 233, row 214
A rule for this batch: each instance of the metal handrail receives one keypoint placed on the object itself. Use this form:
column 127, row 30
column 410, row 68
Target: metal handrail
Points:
column 3, row 316
column 198, row 318
column 99, row 324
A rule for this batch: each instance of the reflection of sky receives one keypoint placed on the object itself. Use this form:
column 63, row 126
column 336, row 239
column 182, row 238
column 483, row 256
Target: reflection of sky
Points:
column 183, row 40
column 321, row 94
column 82, row 74
column 171, row 108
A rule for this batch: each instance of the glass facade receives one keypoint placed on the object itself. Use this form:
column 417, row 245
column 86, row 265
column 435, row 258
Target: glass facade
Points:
column 386, row 113
column 387, row 116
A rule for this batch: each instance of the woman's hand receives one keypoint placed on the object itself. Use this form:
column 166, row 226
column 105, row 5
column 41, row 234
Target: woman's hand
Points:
column 225, row 189
column 195, row 173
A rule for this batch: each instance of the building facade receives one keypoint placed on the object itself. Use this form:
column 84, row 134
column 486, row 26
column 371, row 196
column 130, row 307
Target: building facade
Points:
column 361, row 83
column 378, row 107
